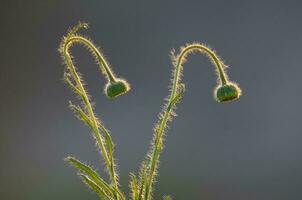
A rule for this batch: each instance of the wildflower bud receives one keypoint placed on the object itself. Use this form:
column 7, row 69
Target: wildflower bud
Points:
column 227, row 92
column 116, row 88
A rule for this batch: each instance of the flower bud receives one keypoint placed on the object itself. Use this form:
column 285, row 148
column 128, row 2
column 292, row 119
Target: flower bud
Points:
column 227, row 92
column 116, row 88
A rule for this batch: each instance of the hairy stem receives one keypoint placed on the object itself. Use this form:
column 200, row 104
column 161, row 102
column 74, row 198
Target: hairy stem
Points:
column 109, row 160
column 181, row 59
column 157, row 143
column 104, row 67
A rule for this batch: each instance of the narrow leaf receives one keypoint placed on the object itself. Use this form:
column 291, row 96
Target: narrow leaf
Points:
column 143, row 180
column 81, row 114
column 134, row 187
column 71, row 85
column 109, row 144
column 95, row 187
column 91, row 173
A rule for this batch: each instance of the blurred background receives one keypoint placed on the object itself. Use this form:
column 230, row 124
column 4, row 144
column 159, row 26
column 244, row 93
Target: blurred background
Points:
column 249, row 149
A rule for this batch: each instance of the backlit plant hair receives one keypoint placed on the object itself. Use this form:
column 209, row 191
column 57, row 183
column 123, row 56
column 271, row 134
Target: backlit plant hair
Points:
column 177, row 90
column 141, row 187
column 114, row 87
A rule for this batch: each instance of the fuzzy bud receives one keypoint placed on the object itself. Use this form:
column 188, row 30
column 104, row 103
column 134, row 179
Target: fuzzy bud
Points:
column 227, row 92
column 116, row 88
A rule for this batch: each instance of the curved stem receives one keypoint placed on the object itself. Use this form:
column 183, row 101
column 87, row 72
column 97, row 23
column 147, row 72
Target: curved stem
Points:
column 104, row 67
column 95, row 124
column 181, row 58
column 159, row 133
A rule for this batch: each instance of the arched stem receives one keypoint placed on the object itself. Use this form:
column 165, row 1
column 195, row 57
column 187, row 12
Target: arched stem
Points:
column 104, row 67
column 162, row 124
column 181, row 59
column 96, row 126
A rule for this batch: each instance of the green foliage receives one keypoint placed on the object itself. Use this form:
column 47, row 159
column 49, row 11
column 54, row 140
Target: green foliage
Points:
column 142, row 185
column 92, row 175
column 95, row 187
column 85, row 110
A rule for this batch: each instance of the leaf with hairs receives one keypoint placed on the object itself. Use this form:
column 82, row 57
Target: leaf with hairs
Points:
column 109, row 143
column 142, row 180
column 71, row 85
column 134, row 187
column 91, row 173
column 82, row 115
column 95, row 187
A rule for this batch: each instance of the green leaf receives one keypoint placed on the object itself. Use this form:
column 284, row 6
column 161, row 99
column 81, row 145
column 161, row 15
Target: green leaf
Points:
column 71, row 85
column 134, row 187
column 95, row 187
column 109, row 144
column 83, row 116
column 143, row 180
column 91, row 173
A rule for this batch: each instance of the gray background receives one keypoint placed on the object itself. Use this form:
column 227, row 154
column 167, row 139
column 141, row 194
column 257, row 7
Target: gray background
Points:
column 249, row 149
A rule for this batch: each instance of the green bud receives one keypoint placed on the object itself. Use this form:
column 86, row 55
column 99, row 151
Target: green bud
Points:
column 116, row 88
column 227, row 92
